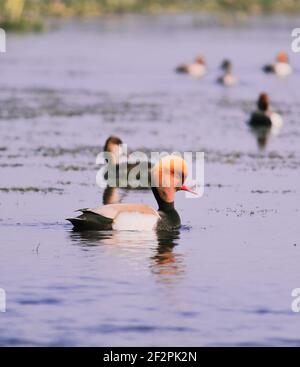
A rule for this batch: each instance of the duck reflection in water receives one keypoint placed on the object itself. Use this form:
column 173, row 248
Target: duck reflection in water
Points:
column 157, row 247
column 262, row 135
column 167, row 264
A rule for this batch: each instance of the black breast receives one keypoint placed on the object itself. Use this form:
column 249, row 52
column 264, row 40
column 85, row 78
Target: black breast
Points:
column 170, row 219
column 259, row 119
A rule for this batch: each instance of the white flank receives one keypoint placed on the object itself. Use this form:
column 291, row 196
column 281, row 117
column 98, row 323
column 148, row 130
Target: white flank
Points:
column 276, row 123
column 229, row 80
column 134, row 221
column 196, row 70
column 283, row 69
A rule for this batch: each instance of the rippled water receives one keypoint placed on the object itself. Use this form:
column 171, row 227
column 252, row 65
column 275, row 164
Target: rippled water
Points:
column 226, row 277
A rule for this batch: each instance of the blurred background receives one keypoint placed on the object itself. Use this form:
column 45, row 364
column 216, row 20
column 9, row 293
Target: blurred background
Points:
column 31, row 14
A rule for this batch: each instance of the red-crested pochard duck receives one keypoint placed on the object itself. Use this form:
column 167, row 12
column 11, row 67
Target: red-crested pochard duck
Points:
column 196, row 69
column 227, row 79
column 264, row 117
column 168, row 176
column 281, row 67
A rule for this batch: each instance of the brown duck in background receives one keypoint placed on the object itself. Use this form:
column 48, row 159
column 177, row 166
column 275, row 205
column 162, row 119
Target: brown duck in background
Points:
column 264, row 122
column 196, row 68
column 281, row 67
column 227, row 79
column 113, row 146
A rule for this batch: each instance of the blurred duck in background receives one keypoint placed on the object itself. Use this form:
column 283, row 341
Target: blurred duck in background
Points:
column 281, row 67
column 196, row 69
column 227, row 79
column 111, row 195
column 122, row 168
column 264, row 122
column 113, row 145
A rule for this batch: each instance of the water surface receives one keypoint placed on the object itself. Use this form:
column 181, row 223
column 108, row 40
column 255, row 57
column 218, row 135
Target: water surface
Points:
column 226, row 277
